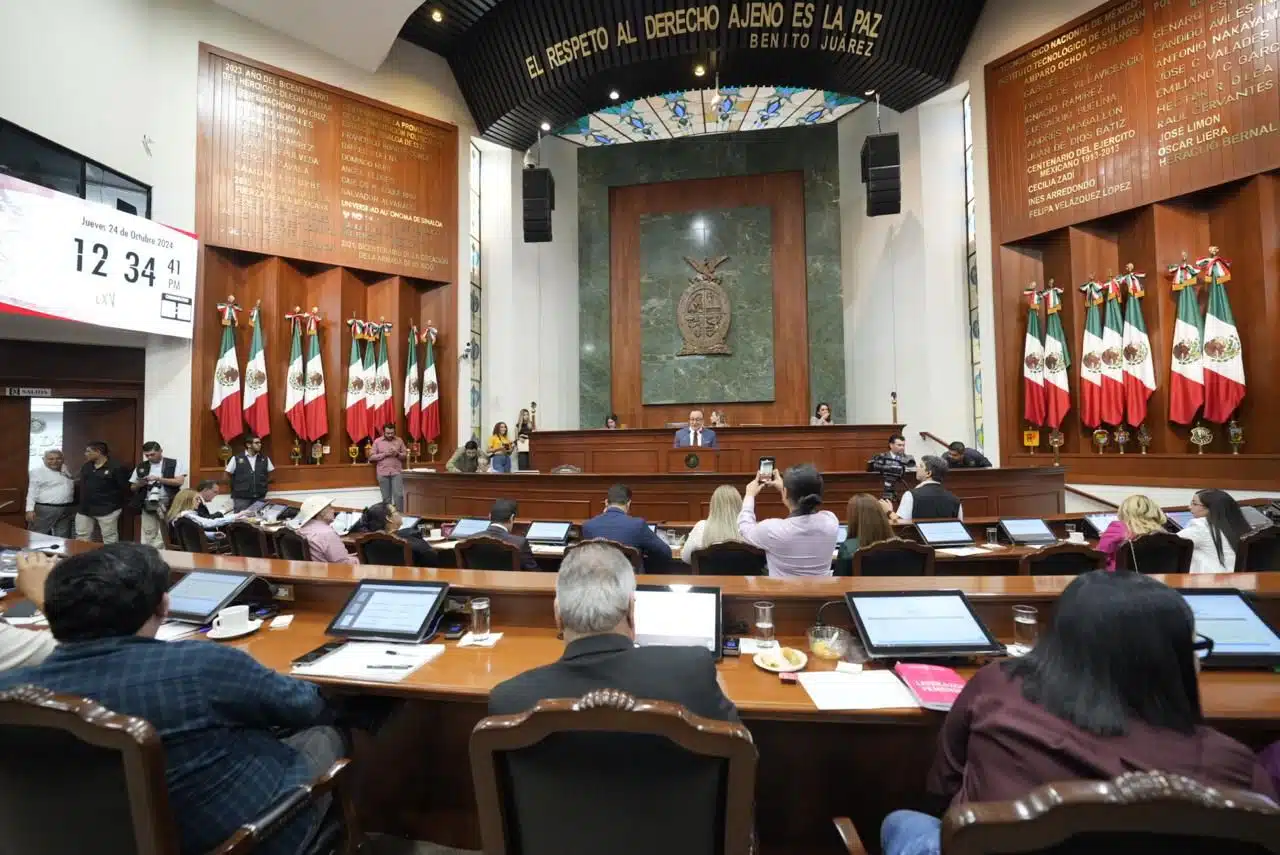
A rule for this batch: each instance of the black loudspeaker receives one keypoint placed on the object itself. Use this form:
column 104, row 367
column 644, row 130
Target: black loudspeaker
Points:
column 539, row 202
column 882, row 174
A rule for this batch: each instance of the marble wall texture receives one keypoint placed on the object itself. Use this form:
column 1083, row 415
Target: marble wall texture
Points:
column 813, row 151
column 746, row 372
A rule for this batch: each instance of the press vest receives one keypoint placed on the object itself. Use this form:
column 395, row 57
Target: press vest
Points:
column 249, row 481
column 933, row 501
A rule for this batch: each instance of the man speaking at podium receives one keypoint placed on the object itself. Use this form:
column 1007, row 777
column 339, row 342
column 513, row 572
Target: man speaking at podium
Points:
column 695, row 435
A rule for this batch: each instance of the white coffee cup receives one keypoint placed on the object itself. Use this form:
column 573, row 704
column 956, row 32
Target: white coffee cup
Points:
column 232, row 620
column 1076, row 537
column 436, row 534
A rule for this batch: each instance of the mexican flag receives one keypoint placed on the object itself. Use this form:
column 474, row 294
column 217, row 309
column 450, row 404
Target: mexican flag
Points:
column 1057, row 359
column 430, row 392
column 357, row 414
column 315, row 417
column 369, row 374
column 1139, row 370
column 1223, row 356
column 382, row 407
column 226, row 377
column 255, row 380
column 1112, row 399
column 413, row 388
column 1186, row 375
column 1033, row 364
column 296, row 380
column 1091, row 357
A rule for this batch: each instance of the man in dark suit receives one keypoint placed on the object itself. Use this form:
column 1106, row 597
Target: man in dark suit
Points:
column 617, row 524
column 595, row 609
column 502, row 521
column 695, row 435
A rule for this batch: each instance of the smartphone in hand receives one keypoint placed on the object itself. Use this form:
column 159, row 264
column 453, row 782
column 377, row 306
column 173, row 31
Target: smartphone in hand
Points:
column 765, row 471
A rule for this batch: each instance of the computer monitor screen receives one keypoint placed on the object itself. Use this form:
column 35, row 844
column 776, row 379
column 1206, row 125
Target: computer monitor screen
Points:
column 678, row 616
column 843, row 534
column 1180, row 519
column 1099, row 522
column 653, row 527
column 1236, row 629
column 1254, row 517
column 1027, row 530
column 271, row 512
column 553, row 532
column 925, row 622
column 468, row 526
column 409, row 522
column 944, row 532
column 201, row 594
column 394, row 611
column 343, row 521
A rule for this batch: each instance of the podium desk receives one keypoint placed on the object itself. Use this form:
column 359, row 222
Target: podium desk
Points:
column 692, row 460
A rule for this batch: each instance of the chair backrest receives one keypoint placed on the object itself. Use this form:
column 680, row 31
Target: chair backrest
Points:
column 292, row 546
column 564, row 778
column 633, row 554
column 1062, row 559
column 485, row 552
column 1259, row 550
column 894, row 557
column 379, row 547
column 77, row 777
column 1157, row 552
column 729, row 558
column 191, row 537
column 247, row 540
column 1139, row 813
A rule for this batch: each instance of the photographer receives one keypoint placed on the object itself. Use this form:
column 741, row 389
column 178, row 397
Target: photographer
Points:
column 154, row 483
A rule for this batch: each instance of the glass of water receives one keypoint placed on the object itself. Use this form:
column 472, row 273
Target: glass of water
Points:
column 993, row 535
column 1071, row 531
column 764, row 626
column 480, row 618
column 1026, row 630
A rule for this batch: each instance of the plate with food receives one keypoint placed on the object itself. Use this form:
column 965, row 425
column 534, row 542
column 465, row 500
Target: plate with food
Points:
column 781, row 659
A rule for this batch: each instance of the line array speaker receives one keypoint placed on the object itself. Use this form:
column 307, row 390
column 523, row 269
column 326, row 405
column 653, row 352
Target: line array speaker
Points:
column 881, row 172
column 539, row 201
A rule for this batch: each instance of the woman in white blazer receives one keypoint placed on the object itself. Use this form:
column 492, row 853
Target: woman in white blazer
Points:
column 1216, row 528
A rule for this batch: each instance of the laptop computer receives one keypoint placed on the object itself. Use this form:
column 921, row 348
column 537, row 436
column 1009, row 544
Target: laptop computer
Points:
column 1099, row 522
column 468, row 526
column 548, row 533
column 1027, row 532
column 1179, row 519
column 1254, row 517
column 951, row 533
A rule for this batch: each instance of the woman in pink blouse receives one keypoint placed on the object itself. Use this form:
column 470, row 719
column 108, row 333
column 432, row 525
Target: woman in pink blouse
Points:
column 1138, row 515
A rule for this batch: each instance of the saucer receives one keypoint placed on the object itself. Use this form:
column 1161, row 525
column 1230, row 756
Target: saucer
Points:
column 254, row 626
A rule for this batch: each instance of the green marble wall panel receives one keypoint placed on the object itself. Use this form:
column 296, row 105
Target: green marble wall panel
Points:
column 744, row 374
column 811, row 150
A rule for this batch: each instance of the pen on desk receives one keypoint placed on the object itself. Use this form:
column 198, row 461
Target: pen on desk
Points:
column 391, row 667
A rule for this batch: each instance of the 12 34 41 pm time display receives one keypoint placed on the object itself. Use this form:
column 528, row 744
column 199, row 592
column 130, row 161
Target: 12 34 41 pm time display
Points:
column 96, row 259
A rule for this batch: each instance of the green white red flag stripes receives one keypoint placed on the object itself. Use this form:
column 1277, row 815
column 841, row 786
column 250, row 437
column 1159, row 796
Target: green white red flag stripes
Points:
column 1033, row 408
column 315, row 414
column 1091, row 356
column 1186, row 363
column 1112, row 399
column 226, row 377
column 1139, row 369
column 355, row 408
column 382, row 408
column 413, row 387
column 296, row 379
column 369, row 374
column 256, row 414
column 1057, row 359
column 430, row 389
column 1224, row 383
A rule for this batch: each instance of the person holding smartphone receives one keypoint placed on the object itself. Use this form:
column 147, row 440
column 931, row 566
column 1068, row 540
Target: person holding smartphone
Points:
column 803, row 542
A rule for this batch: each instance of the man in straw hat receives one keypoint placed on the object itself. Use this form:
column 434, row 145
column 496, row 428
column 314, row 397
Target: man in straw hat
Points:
column 313, row 524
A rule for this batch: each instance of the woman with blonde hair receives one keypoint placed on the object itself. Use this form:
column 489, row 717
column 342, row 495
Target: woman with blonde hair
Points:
column 721, row 523
column 186, row 500
column 1138, row 515
column 868, row 525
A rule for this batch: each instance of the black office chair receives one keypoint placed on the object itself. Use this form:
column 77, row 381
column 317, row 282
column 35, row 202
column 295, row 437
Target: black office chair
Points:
column 729, row 558
column 1062, row 559
column 894, row 557
column 1157, row 552
column 247, row 540
column 485, row 552
column 191, row 537
column 378, row 547
column 1259, row 551
column 291, row 546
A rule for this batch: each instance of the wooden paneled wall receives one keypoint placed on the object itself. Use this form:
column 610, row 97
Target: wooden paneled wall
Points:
column 783, row 193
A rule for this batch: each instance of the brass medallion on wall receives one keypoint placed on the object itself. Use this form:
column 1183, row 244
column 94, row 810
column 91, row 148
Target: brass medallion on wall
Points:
column 703, row 313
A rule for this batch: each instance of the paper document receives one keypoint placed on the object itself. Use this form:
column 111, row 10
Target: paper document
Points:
column 469, row 640
column 546, row 549
column 962, row 551
column 443, row 544
column 869, row 690
column 372, row 661
column 173, row 630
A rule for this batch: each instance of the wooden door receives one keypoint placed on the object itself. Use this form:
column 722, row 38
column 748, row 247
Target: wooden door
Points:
column 15, row 439
column 113, row 421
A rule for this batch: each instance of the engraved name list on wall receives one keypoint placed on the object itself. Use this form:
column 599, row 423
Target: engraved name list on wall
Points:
column 1139, row 101
column 299, row 169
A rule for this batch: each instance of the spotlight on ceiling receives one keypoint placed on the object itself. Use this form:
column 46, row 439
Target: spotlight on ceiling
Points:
column 869, row 93
column 613, row 95
column 699, row 70
column 546, row 126
column 437, row 15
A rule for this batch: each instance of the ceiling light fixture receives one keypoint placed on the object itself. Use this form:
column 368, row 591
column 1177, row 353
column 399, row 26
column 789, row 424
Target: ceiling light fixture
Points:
column 546, row 126
column 715, row 99
column 613, row 95
column 869, row 92
column 699, row 70
column 437, row 15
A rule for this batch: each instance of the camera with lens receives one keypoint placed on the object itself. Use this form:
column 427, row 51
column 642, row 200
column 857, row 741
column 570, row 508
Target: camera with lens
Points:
column 154, row 501
column 890, row 469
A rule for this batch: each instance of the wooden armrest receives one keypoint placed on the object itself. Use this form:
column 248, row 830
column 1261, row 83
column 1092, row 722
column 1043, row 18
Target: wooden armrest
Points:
column 849, row 835
column 250, row 835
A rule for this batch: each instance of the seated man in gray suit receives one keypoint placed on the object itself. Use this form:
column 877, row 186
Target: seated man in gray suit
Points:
column 695, row 435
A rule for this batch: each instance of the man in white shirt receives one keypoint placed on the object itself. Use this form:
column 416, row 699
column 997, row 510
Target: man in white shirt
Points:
column 695, row 435
column 154, row 471
column 50, row 494
column 929, row 499
column 250, row 472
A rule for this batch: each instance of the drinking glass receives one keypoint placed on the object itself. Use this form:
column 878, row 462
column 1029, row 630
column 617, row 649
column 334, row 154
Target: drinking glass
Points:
column 993, row 535
column 1071, row 531
column 764, row 626
column 480, row 618
column 1025, row 630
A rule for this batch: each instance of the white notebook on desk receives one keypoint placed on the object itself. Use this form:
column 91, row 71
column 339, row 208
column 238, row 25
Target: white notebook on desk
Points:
column 371, row 661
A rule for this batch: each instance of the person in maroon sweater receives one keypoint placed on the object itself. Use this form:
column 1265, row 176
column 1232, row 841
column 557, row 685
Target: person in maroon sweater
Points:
column 1110, row 688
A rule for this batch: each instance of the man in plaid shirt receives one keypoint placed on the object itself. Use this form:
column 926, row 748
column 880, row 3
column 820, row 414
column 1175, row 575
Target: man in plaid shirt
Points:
column 213, row 706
